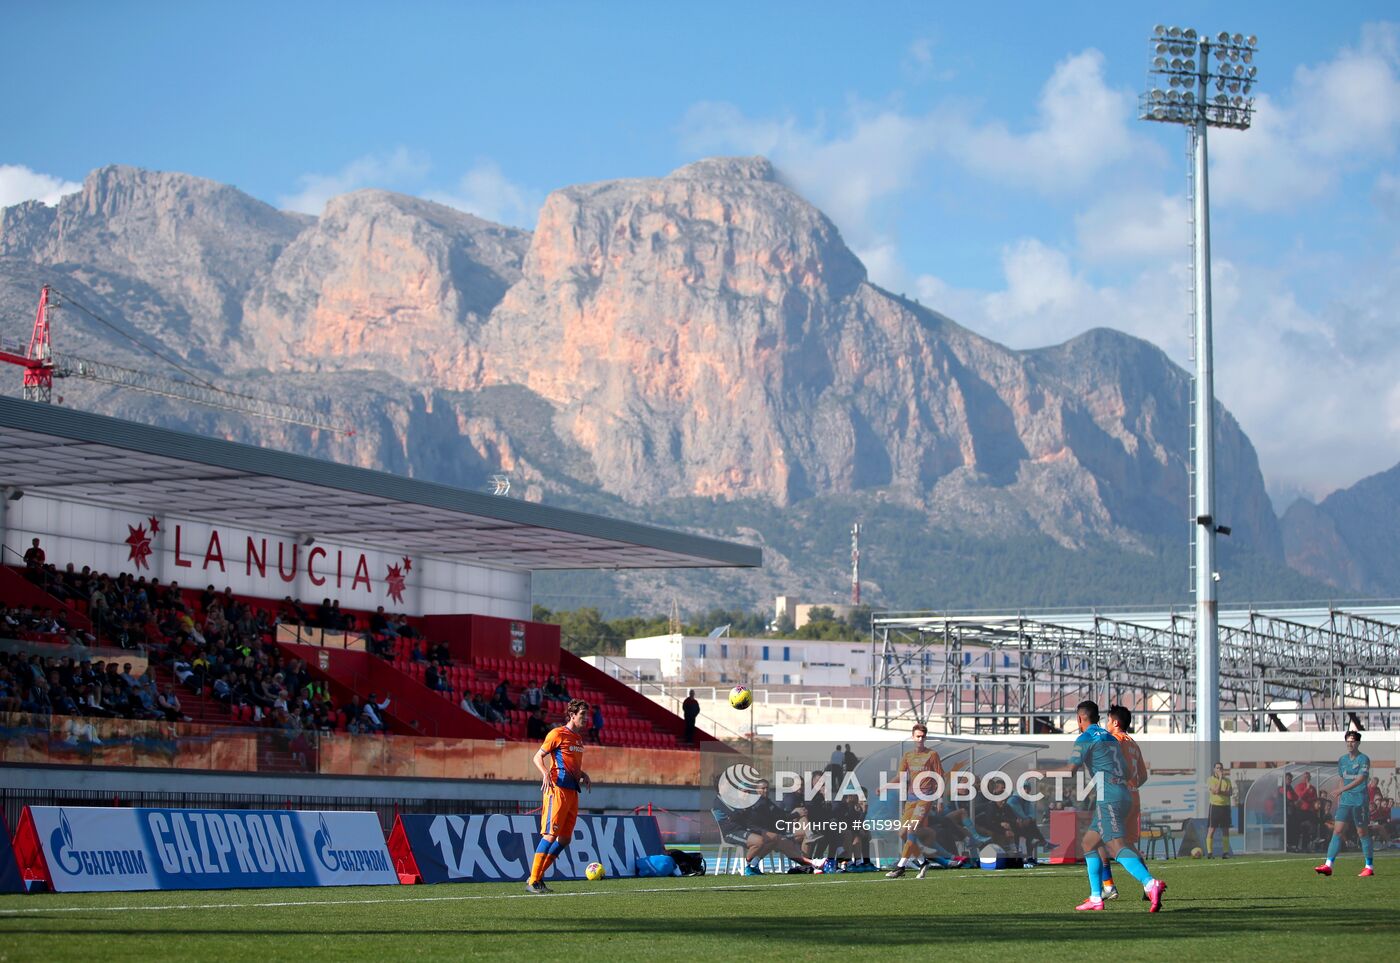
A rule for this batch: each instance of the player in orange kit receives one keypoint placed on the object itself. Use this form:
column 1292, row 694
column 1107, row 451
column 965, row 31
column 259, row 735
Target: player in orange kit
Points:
column 560, row 762
column 915, row 767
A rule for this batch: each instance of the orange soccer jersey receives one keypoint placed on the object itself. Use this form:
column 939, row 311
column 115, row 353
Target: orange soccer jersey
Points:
column 559, row 808
column 1136, row 775
column 915, row 762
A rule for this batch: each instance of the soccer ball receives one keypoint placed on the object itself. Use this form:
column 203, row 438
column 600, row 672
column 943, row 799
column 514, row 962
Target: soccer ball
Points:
column 595, row 871
column 740, row 697
column 1196, row 853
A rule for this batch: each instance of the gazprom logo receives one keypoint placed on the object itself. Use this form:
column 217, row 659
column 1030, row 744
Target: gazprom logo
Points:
column 344, row 860
column 324, row 846
column 76, row 861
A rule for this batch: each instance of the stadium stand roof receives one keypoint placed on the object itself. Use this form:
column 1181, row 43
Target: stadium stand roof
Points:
column 81, row 456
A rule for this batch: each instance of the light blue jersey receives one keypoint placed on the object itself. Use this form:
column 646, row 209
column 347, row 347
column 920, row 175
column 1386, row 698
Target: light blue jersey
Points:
column 1098, row 753
column 1349, row 768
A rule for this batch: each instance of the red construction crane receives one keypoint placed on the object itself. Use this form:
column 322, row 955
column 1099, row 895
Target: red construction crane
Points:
column 42, row 366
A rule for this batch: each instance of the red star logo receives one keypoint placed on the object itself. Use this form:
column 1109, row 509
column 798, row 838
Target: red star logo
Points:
column 140, row 546
column 155, row 525
column 407, row 564
column 394, row 582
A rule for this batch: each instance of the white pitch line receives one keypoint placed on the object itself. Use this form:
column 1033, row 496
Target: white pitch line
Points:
column 944, row 874
column 401, row 899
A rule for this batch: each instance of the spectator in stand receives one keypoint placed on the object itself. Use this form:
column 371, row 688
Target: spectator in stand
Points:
column 690, row 708
column 554, row 689
column 371, row 713
column 340, row 621
column 484, row 712
column 468, row 705
column 442, row 654
column 536, row 728
column 532, row 698
column 598, row 722
column 168, row 703
column 435, row 679
column 500, row 700
column 34, row 557
column 323, row 615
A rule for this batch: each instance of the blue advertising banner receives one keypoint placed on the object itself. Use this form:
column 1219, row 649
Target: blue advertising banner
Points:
column 100, row 849
column 495, row 847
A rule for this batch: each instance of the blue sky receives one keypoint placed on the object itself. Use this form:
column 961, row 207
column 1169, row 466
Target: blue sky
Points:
column 985, row 159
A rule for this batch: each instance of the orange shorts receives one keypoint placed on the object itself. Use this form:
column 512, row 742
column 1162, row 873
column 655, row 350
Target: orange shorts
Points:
column 1132, row 823
column 558, row 813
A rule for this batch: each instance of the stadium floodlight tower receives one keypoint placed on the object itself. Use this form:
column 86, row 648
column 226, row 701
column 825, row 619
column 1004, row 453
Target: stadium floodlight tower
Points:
column 1182, row 76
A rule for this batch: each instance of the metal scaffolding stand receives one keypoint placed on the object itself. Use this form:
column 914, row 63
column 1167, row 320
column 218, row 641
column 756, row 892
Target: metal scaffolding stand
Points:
column 1309, row 669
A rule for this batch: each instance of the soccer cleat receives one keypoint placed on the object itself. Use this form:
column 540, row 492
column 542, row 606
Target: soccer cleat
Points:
column 1155, row 891
column 895, row 873
column 1368, row 871
column 959, row 862
column 1110, row 892
column 1089, row 905
column 537, row 889
column 923, row 870
column 1323, row 870
column 752, row 871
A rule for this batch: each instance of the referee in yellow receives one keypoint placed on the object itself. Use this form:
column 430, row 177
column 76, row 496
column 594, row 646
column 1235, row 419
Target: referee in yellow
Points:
column 1220, row 789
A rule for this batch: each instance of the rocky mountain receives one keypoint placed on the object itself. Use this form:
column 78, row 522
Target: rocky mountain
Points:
column 1349, row 539
column 700, row 349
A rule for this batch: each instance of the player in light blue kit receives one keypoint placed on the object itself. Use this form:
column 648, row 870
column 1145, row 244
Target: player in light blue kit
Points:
column 1352, row 805
column 1098, row 753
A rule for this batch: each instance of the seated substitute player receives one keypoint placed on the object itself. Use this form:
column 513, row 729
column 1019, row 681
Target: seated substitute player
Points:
column 915, row 766
column 560, row 762
column 1097, row 752
column 1355, row 770
column 756, row 829
column 1120, row 720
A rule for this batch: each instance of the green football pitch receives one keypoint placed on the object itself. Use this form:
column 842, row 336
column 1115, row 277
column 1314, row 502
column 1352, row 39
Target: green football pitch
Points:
column 1247, row 908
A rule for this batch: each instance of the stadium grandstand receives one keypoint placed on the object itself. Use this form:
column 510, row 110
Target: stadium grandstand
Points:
column 263, row 628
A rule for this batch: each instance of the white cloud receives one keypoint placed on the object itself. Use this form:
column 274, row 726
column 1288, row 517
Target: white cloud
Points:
column 1082, row 127
column 18, row 184
column 488, row 193
column 1131, row 225
column 1314, row 389
column 395, row 169
column 1338, row 115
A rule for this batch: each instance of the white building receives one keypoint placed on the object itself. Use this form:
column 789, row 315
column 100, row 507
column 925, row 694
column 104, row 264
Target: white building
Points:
column 799, row 662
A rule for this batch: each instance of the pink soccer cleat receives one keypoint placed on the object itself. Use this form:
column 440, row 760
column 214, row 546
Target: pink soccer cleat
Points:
column 1089, row 905
column 1155, row 891
column 1368, row 871
column 1323, row 870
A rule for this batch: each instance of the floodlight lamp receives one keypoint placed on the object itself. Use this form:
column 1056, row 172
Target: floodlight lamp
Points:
column 1247, row 87
column 1162, row 48
column 1237, row 101
column 1173, row 32
column 1157, row 94
column 1234, row 54
column 1158, row 113
column 1190, row 33
column 1248, row 56
column 1252, row 40
column 1219, row 54
column 1253, row 72
column 1189, row 66
column 1234, row 86
column 1158, row 30
column 1159, row 63
column 1238, row 38
column 1188, row 97
column 1224, row 37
